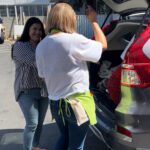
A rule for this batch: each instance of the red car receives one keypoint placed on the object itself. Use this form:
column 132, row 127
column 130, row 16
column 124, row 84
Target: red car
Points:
column 123, row 91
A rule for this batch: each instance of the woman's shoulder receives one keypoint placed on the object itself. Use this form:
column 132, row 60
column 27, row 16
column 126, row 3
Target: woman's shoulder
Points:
column 79, row 36
column 20, row 43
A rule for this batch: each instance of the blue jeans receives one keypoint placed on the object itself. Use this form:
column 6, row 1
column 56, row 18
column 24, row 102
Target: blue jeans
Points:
column 34, row 109
column 72, row 136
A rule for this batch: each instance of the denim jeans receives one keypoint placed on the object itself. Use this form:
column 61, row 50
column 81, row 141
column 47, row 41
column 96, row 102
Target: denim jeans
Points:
column 34, row 109
column 72, row 136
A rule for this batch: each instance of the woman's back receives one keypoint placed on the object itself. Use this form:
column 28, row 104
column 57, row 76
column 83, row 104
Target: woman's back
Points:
column 64, row 57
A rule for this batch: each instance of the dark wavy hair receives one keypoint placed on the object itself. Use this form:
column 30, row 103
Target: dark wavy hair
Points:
column 25, row 35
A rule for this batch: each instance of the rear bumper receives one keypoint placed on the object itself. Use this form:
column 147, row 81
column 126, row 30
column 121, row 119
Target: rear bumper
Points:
column 117, row 141
column 112, row 140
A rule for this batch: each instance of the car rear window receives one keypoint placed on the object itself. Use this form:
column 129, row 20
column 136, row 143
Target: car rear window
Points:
column 146, row 49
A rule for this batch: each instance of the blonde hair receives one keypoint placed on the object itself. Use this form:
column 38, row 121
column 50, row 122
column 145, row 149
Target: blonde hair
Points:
column 62, row 17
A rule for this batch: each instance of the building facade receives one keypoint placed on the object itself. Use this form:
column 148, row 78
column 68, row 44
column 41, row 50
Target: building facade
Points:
column 11, row 8
column 16, row 12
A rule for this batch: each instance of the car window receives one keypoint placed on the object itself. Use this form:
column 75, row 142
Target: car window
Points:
column 146, row 49
column 127, row 47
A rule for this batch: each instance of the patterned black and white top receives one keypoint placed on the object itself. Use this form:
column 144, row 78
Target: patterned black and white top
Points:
column 26, row 74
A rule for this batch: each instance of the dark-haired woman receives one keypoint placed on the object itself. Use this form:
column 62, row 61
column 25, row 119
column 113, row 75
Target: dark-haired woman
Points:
column 29, row 88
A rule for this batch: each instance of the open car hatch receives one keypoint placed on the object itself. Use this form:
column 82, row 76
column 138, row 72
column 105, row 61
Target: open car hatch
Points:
column 125, row 6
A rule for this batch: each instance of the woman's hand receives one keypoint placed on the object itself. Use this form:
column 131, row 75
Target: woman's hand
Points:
column 91, row 14
column 98, row 33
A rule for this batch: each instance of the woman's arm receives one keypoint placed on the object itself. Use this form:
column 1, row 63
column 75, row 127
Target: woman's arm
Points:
column 23, row 54
column 98, row 33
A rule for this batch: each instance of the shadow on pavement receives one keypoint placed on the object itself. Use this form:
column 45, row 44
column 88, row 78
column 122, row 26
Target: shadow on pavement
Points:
column 11, row 139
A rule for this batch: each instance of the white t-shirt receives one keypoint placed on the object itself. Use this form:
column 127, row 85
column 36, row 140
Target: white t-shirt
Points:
column 61, row 61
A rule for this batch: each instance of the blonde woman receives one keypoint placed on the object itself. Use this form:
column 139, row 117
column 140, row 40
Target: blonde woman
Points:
column 61, row 60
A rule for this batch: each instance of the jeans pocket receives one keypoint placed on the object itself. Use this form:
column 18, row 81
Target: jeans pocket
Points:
column 22, row 96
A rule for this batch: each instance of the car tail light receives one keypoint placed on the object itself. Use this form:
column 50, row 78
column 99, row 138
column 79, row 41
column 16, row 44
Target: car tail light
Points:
column 129, row 76
column 135, row 75
column 124, row 131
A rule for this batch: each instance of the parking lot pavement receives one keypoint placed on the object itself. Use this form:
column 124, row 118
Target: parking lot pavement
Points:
column 11, row 139
column 6, row 47
column 11, row 118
